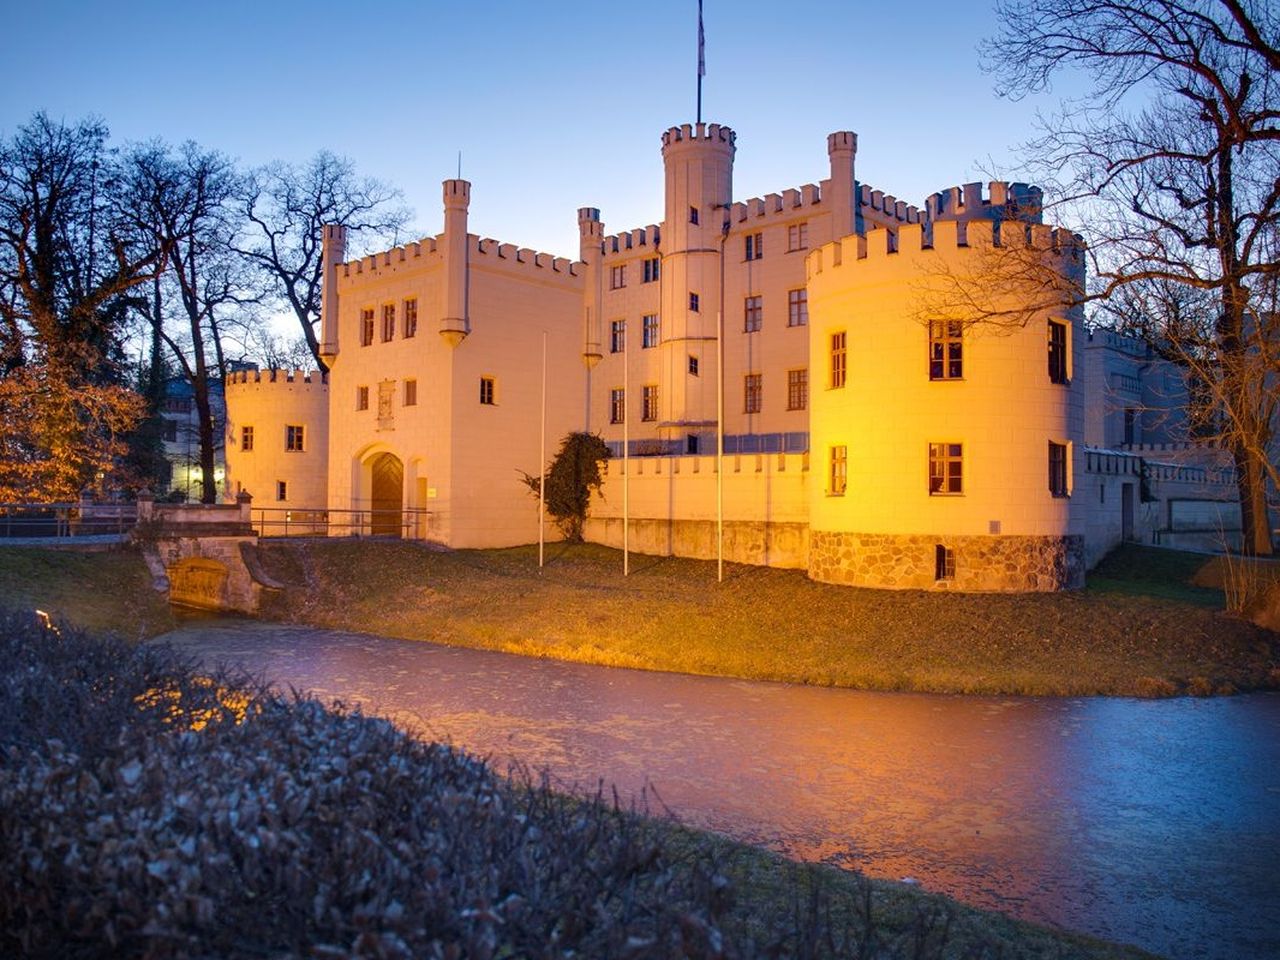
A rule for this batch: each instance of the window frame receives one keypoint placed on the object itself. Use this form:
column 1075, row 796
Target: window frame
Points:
column 798, row 236
column 1059, row 353
column 410, row 317
column 753, row 246
column 752, row 313
column 1059, row 471
column 618, row 276
column 410, row 392
column 246, row 439
column 618, row 336
column 362, row 398
column 294, row 438
column 946, row 337
column 388, row 322
column 798, row 307
column 798, row 387
column 649, row 403
column 837, row 469
column 366, row 326
column 650, row 331
column 838, row 360
column 651, row 269
column 488, row 391
column 617, row 406
column 752, row 392
column 943, row 480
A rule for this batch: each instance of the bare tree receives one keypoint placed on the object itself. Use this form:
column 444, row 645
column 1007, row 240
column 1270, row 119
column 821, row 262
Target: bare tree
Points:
column 287, row 206
column 1170, row 169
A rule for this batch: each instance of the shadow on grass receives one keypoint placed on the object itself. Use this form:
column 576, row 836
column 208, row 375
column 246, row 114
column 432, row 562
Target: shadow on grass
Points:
column 1134, row 571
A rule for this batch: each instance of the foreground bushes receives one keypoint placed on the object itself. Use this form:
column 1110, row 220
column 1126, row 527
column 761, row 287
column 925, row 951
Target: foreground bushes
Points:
column 146, row 811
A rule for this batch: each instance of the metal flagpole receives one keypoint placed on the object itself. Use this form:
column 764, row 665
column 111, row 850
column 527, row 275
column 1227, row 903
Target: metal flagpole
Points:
column 720, row 444
column 626, row 455
column 702, row 59
column 542, row 457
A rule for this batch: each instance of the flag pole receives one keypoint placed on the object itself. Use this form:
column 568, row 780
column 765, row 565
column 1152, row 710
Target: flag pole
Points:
column 702, row 59
column 626, row 455
column 542, row 458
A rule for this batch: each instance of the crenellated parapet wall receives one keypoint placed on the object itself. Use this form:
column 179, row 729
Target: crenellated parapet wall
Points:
column 1000, row 200
column 881, row 206
column 623, row 245
column 410, row 254
column 494, row 251
column 237, row 378
column 776, row 206
column 698, row 134
column 495, row 254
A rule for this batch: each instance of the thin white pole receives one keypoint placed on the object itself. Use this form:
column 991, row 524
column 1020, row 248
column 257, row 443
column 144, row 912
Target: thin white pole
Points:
column 720, row 444
column 542, row 458
column 626, row 454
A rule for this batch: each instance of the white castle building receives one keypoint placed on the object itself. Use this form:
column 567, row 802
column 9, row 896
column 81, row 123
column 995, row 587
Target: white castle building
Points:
column 864, row 441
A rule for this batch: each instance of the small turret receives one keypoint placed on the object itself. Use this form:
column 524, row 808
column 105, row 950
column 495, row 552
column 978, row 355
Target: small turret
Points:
column 590, row 236
column 842, row 148
column 333, row 239
column 454, row 325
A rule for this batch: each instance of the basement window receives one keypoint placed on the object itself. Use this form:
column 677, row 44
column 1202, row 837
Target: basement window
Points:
column 944, row 563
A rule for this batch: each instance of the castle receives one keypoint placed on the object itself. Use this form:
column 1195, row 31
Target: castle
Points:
column 863, row 441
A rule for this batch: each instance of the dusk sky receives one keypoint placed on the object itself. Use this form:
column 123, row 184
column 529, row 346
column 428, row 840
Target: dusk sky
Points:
column 554, row 106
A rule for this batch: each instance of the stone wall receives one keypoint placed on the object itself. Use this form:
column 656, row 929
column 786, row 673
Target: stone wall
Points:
column 770, row 544
column 984, row 564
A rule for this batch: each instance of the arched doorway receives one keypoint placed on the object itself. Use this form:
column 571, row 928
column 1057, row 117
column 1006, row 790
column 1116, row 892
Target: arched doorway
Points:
column 387, row 486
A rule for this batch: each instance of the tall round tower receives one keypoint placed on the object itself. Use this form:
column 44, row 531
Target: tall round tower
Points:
column 698, row 161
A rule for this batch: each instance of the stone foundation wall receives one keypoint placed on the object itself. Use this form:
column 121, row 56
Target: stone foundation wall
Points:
column 982, row 564
column 766, row 544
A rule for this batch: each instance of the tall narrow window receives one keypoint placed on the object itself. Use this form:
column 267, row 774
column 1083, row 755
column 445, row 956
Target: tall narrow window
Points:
column 362, row 398
column 797, row 236
column 410, row 317
column 693, row 214
column 752, row 393
column 754, row 246
column 649, row 410
column 1057, row 352
column 1057, row 469
column 282, row 490
column 366, row 327
column 837, row 471
column 618, row 336
column 946, row 350
column 944, row 563
column 693, row 302
column 388, row 321
column 617, row 405
column 487, row 391
column 293, row 437
column 1130, row 425
column 797, row 307
column 618, row 277
column 838, row 359
column 946, row 469
column 652, row 268
column 651, row 331
column 693, row 365
column 752, row 313
column 411, row 393
column 797, row 389
column 246, row 439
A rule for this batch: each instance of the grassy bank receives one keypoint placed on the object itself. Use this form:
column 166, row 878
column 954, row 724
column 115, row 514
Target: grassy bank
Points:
column 1140, row 629
column 149, row 811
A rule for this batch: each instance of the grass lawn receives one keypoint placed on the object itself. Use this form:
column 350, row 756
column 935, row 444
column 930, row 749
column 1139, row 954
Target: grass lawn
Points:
column 1140, row 629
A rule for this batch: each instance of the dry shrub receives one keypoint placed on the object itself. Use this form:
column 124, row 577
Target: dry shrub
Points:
column 1154, row 687
column 146, row 811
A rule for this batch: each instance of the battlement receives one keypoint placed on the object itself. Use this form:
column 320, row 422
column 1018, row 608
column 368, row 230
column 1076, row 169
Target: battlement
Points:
column 648, row 238
column 776, row 206
column 842, row 141
column 688, row 134
column 968, row 201
column 889, row 207
column 390, row 259
column 495, row 253
column 298, row 377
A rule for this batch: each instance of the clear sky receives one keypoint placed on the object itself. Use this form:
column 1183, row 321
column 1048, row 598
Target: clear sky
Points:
column 553, row 105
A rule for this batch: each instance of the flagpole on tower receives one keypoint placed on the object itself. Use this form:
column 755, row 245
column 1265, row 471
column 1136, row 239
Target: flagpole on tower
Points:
column 702, row 59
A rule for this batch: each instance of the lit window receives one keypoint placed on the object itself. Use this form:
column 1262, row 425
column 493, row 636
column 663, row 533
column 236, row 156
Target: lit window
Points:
column 618, row 277
column 1057, row 469
column 752, row 392
column 693, row 365
column 693, row 215
column 652, row 268
column 797, row 307
column 651, row 332
column 282, row 490
column 388, row 321
column 754, row 246
column 366, row 327
column 946, row 350
column 618, row 336
column 693, row 302
column 649, row 409
column 797, row 389
column 838, row 359
column 837, row 471
column 617, row 405
column 946, row 471
column 410, row 318
column 797, row 236
column 246, row 439
column 1057, row 352
column 362, row 398
column 411, row 393
column 944, row 563
column 752, row 313
column 293, row 437
column 486, row 391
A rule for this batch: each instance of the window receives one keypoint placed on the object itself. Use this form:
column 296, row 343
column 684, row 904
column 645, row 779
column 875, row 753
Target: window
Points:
column 649, row 409
column 246, row 439
column 1057, row 352
column 944, row 563
column 797, row 389
column 282, row 490
column 411, row 393
column 651, row 331
column 388, row 321
column 1130, row 423
column 486, row 391
column 1058, row 469
column 177, row 405
column 618, row 277
column 293, row 437
column 362, row 398
column 946, row 475
column 752, row 391
column 797, row 236
column 946, row 350
column 170, row 431
column 754, row 246
column 693, row 302
column 797, row 308
column 366, row 327
column 618, row 336
column 651, row 268
column 617, row 405
column 837, row 359
column 752, row 313
column 837, row 471
column 410, row 318
column 693, row 365
column 691, row 444
column 693, row 215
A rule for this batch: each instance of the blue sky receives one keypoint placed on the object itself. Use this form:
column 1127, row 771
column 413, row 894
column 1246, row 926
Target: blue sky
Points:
column 554, row 106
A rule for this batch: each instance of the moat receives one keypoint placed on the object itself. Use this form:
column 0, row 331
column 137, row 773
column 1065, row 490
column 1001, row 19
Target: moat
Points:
column 1155, row 823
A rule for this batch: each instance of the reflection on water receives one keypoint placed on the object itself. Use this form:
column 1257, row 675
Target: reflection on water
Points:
column 1150, row 822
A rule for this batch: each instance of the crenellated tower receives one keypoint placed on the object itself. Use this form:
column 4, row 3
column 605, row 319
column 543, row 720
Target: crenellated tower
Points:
column 842, row 148
column 333, row 240
column 698, row 162
column 590, row 236
column 454, row 325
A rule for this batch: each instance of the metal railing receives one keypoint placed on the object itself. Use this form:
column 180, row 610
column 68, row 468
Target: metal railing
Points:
column 66, row 519
column 408, row 524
